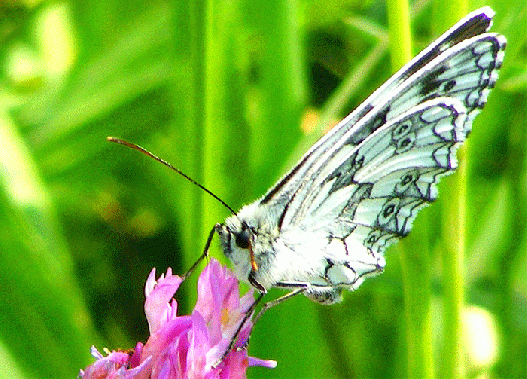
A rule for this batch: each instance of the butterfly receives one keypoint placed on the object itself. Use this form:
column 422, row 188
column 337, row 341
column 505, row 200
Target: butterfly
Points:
column 325, row 225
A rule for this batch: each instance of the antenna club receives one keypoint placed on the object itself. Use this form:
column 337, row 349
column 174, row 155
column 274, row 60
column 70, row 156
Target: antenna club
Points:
column 114, row 139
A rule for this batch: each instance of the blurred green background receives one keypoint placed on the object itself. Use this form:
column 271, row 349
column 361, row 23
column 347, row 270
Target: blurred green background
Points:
column 231, row 92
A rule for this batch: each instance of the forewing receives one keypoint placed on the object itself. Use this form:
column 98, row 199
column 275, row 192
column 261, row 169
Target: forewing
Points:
column 464, row 73
column 288, row 187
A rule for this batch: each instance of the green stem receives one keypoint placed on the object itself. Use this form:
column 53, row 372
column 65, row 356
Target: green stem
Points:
column 417, row 297
column 453, row 281
column 216, row 117
column 399, row 30
column 454, row 229
column 192, row 228
column 415, row 262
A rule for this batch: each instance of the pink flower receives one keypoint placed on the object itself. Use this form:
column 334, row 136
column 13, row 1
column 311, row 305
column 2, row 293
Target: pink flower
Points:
column 186, row 346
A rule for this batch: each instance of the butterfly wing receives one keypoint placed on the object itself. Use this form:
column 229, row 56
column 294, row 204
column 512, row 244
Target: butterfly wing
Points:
column 414, row 83
column 360, row 187
column 382, row 183
column 465, row 72
column 371, row 199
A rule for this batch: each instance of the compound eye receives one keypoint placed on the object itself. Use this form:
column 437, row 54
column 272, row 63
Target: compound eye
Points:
column 243, row 239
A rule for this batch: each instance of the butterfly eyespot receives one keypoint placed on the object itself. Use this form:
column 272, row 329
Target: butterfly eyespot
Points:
column 243, row 239
column 388, row 211
column 372, row 238
column 405, row 143
column 450, row 84
column 401, row 130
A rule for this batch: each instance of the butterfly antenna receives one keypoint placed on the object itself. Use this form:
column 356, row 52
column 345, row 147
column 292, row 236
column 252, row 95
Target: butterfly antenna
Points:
column 146, row 152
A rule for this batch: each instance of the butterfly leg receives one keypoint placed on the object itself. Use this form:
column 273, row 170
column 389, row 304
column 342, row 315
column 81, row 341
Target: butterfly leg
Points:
column 204, row 255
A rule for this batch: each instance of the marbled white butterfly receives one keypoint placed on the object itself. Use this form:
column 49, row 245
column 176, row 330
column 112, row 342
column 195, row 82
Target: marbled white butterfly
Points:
column 326, row 224
column 324, row 227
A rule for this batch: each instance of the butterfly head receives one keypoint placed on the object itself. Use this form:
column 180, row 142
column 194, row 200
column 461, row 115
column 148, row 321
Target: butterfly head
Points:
column 237, row 240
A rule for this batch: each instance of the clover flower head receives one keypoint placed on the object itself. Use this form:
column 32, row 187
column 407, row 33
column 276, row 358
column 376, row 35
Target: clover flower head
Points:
column 186, row 346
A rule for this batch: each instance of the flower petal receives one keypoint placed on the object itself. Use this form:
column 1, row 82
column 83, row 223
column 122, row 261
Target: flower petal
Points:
column 158, row 307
